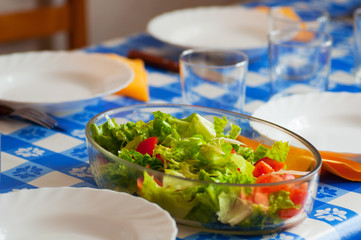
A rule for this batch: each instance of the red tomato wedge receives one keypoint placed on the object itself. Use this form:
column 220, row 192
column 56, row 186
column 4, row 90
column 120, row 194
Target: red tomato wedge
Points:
column 287, row 176
column 259, row 197
column 289, row 212
column 298, row 194
column 147, row 146
column 261, row 168
column 271, row 178
column 140, row 183
column 141, row 180
column 276, row 165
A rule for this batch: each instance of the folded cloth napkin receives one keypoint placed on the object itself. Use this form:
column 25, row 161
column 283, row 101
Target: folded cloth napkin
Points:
column 344, row 165
column 138, row 88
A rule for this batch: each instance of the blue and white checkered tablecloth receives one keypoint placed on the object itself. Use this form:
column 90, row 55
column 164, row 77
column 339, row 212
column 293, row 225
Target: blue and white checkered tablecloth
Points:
column 34, row 157
column 336, row 8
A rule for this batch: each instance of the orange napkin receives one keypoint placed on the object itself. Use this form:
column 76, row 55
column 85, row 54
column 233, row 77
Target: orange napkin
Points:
column 290, row 13
column 340, row 164
column 138, row 88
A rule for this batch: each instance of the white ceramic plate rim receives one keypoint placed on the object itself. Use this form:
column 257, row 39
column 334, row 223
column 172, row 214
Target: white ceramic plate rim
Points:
column 331, row 121
column 84, row 213
column 214, row 27
column 59, row 80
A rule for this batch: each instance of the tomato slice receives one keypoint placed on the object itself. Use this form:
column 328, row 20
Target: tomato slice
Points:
column 140, row 181
column 270, row 178
column 289, row 212
column 261, row 168
column 287, row 176
column 147, row 146
column 259, row 197
column 298, row 195
column 276, row 165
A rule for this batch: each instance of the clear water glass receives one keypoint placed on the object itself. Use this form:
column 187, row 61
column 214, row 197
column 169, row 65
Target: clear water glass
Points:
column 303, row 17
column 214, row 78
column 357, row 39
column 299, row 61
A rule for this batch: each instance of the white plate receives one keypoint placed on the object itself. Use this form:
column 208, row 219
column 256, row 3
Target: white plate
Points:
column 81, row 214
column 230, row 27
column 330, row 121
column 57, row 81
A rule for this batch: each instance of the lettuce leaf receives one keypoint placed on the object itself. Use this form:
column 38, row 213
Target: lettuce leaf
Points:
column 206, row 204
column 235, row 131
column 219, row 125
column 178, row 202
column 232, row 209
column 279, row 200
column 118, row 177
column 278, row 152
column 143, row 160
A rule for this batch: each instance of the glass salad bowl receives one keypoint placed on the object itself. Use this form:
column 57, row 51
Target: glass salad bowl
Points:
column 209, row 168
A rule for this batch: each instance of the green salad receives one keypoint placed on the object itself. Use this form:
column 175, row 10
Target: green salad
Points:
column 196, row 148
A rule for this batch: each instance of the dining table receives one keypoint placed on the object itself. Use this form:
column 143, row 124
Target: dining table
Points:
column 36, row 157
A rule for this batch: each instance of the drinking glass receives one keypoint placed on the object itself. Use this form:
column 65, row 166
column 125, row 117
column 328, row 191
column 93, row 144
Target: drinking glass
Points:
column 357, row 39
column 303, row 17
column 214, row 78
column 299, row 61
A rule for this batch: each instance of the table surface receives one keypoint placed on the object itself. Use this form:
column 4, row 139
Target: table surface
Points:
column 34, row 157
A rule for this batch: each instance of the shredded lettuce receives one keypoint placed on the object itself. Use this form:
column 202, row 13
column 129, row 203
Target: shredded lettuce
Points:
column 178, row 201
column 232, row 209
column 278, row 151
column 279, row 200
column 192, row 148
